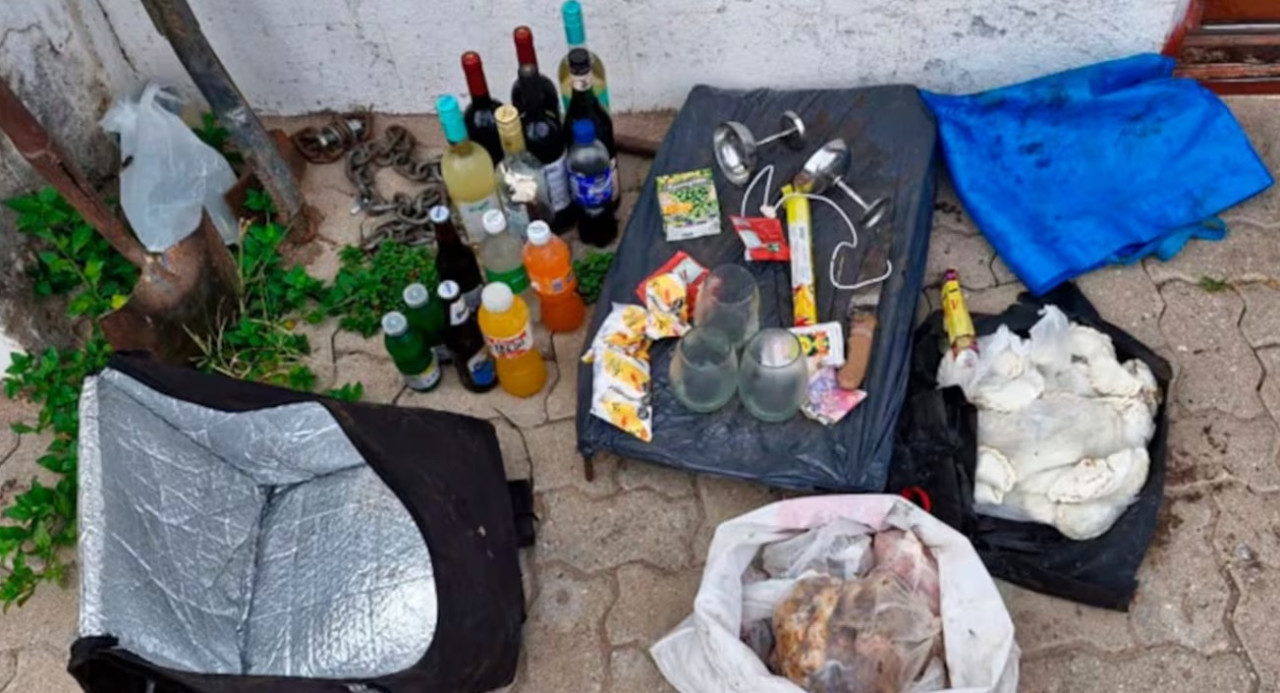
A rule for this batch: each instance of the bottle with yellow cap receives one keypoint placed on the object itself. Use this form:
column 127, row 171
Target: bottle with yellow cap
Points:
column 520, row 178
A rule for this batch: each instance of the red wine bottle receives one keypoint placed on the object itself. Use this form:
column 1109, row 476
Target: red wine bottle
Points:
column 534, row 96
column 482, row 128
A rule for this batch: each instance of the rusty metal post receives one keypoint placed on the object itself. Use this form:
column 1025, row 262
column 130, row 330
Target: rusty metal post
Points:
column 49, row 159
column 177, row 23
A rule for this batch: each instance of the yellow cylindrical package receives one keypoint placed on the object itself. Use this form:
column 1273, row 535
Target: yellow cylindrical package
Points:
column 804, row 296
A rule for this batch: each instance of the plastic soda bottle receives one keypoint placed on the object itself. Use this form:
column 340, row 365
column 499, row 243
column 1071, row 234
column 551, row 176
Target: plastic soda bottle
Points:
column 413, row 358
column 549, row 262
column 502, row 257
column 504, row 320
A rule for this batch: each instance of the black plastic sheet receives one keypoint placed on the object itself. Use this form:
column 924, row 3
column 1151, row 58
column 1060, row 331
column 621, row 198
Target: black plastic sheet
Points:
column 892, row 138
column 937, row 451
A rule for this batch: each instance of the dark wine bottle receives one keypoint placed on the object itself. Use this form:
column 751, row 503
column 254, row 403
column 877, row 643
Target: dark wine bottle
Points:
column 455, row 261
column 481, row 126
column 534, row 96
column 584, row 105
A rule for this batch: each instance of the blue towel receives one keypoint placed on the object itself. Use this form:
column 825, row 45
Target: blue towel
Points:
column 1101, row 164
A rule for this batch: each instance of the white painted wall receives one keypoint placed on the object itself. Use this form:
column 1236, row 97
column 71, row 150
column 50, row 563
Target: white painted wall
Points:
column 297, row 56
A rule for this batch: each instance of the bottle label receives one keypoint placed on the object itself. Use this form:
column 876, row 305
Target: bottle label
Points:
column 472, row 297
column 517, row 278
column 459, row 312
column 511, row 347
column 557, row 285
column 591, row 191
column 581, row 82
column 558, row 183
column 425, row 380
column 481, row 368
column 472, row 215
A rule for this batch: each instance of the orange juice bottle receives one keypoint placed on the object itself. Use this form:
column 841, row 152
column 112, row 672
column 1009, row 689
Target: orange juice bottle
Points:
column 504, row 320
column 549, row 262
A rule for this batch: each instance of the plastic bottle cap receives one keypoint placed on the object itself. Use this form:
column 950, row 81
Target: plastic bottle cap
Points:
column 538, row 232
column 395, row 324
column 584, row 132
column 438, row 214
column 497, row 297
column 574, row 33
column 455, row 129
column 579, row 61
column 494, row 222
column 448, row 290
column 416, row 295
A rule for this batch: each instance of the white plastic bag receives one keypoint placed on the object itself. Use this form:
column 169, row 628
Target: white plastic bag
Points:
column 705, row 653
column 169, row 175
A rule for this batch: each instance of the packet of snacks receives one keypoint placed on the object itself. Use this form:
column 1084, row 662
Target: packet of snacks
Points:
column 666, row 299
column 622, row 329
column 688, row 269
column 620, row 378
column 630, row 415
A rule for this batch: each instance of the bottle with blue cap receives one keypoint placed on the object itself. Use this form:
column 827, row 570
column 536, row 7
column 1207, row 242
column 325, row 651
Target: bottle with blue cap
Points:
column 591, row 184
column 575, row 35
column 467, row 170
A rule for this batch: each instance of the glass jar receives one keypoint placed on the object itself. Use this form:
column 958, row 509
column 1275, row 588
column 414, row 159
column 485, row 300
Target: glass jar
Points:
column 729, row 301
column 703, row 370
column 773, row 378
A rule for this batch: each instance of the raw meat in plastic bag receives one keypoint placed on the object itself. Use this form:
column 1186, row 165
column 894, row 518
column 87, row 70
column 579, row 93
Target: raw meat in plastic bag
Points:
column 901, row 553
column 869, row 635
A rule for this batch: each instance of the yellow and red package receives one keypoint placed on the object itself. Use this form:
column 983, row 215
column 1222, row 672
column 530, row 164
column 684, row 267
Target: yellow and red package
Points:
column 627, row 374
column 665, row 298
column 625, row 413
column 622, row 329
column 690, row 271
column 804, row 297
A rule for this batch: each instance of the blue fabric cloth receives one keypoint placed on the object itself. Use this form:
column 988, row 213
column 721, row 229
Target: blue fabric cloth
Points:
column 1101, row 164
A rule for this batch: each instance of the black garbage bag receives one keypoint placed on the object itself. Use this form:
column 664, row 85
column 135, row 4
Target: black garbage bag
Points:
column 937, row 452
column 236, row 538
column 891, row 137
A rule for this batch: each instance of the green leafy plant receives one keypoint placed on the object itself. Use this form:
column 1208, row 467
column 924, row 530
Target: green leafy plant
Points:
column 74, row 259
column 1213, row 285
column 591, row 271
column 350, row 392
column 370, row 285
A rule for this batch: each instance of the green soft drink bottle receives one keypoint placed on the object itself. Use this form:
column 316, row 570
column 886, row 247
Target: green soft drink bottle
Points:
column 413, row 358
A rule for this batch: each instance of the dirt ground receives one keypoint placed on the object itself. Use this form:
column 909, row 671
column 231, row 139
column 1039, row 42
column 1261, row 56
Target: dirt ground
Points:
column 618, row 560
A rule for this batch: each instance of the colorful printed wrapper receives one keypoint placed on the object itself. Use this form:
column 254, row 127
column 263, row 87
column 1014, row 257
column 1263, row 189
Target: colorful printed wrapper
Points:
column 804, row 297
column 688, row 269
column 829, row 403
column 822, row 344
column 762, row 238
column 666, row 301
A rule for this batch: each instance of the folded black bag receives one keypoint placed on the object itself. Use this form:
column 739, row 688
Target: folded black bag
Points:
column 937, row 451
column 241, row 538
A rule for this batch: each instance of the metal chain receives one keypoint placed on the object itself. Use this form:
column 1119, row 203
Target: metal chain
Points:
column 395, row 149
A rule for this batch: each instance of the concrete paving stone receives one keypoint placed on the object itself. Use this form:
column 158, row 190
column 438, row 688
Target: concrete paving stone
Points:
column 1270, row 389
column 347, row 342
column 1003, row 274
column 48, row 619
column 515, row 454
column 1257, row 116
column 1249, row 253
column 948, row 210
column 556, row 464
column 8, row 667
column 651, row 125
column 632, row 671
column 625, row 208
column 1218, row 369
column 543, row 343
column 991, row 301
column 20, row 467
column 563, row 637
column 671, row 483
column 1181, row 596
column 1166, row 670
column 562, row 403
column 1210, row 447
column 1255, row 619
column 968, row 255
column 525, row 412
column 650, row 603
column 1261, row 321
column 40, row 669
column 321, row 259
column 1126, row 297
column 633, row 170
column 593, row 534
column 724, row 499
column 1043, row 622
column 321, row 359
column 1248, row 529
column 923, row 309
column 382, row 382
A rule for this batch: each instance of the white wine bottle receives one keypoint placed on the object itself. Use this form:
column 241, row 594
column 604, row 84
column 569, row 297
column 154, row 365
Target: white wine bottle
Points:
column 575, row 35
column 467, row 170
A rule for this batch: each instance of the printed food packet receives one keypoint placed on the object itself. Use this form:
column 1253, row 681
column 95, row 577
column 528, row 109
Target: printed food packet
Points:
column 682, row 265
column 622, row 329
column 822, row 344
column 626, row 374
column 665, row 299
column 762, row 238
column 633, row 416
column 688, row 203
column 828, row 403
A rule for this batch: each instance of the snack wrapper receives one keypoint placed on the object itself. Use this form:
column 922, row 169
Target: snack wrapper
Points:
column 619, row 355
column 762, row 237
column 828, row 403
column 666, row 300
column 822, row 344
column 688, row 203
column 688, row 269
column 626, row 374
column 622, row 329
column 630, row 415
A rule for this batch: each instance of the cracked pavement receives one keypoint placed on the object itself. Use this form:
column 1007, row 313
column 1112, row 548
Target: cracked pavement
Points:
column 619, row 559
